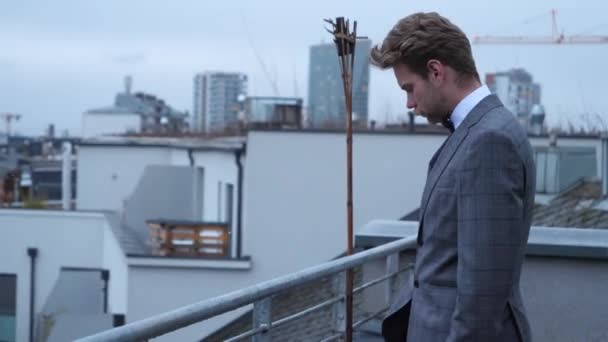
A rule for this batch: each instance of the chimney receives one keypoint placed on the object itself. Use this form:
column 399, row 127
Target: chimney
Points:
column 128, row 82
column 66, row 177
column 51, row 132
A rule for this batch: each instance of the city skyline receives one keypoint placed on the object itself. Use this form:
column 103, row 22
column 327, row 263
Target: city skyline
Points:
column 59, row 60
column 325, row 86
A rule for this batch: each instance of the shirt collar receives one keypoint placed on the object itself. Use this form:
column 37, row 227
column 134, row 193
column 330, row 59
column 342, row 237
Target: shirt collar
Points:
column 466, row 105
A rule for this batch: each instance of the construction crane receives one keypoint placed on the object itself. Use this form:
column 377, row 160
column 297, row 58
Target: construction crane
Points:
column 8, row 118
column 555, row 38
column 272, row 80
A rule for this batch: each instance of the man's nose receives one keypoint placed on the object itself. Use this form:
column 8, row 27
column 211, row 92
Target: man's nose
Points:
column 410, row 103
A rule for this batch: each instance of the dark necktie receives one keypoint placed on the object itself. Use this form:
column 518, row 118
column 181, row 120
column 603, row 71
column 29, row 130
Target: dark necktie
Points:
column 447, row 123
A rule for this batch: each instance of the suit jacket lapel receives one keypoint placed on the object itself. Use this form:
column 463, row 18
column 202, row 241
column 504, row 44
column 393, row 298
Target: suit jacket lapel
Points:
column 435, row 156
column 446, row 152
column 443, row 159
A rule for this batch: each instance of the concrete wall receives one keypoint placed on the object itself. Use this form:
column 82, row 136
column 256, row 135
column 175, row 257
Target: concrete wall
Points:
column 74, row 308
column 154, row 290
column 107, row 175
column 104, row 124
column 62, row 239
column 295, row 192
column 564, row 298
column 179, row 157
column 115, row 261
column 68, row 327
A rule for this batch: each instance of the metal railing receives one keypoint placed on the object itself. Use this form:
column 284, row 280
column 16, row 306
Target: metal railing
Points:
column 261, row 297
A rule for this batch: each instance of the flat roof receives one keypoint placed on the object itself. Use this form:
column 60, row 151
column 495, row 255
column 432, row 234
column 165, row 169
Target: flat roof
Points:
column 209, row 144
column 420, row 129
column 543, row 241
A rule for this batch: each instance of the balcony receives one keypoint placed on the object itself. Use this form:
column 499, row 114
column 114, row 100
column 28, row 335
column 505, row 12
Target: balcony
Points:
column 190, row 239
column 563, row 282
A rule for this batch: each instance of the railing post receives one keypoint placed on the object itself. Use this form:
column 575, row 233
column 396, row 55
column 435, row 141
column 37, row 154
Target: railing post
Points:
column 339, row 308
column 262, row 319
column 392, row 266
column 169, row 241
column 196, row 240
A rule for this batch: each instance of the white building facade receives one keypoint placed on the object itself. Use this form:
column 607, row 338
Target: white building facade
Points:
column 287, row 191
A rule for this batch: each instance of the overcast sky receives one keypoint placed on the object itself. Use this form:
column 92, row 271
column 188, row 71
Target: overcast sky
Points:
column 59, row 58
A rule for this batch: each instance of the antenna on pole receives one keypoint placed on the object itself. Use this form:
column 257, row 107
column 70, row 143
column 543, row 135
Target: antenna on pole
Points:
column 345, row 45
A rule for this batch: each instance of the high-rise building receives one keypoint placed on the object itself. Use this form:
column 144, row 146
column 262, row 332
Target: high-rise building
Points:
column 325, row 91
column 517, row 92
column 216, row 100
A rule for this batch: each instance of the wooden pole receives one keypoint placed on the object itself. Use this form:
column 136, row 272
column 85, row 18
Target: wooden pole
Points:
column 345, row 44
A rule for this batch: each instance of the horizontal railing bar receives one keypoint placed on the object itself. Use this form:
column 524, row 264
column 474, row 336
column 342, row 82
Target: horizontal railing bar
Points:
column 369, row 318
column 317, row 307
column 307, row 311
column 287, row 319
column 332, row 337
column 172, row 320
column 246, row 334
column 379, row 280
column 253, row 332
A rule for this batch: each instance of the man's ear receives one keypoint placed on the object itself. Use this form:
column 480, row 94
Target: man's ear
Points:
column 436, row 71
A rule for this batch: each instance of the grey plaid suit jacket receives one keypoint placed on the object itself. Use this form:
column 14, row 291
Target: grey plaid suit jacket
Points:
column 475, row 219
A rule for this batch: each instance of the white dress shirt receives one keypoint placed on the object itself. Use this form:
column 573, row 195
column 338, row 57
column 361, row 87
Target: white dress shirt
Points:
column 467, row 104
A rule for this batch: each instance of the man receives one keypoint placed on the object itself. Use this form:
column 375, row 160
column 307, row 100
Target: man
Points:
column 477, row 203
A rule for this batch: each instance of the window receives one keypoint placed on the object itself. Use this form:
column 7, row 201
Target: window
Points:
column 8, row 307
column 541, row 165
column 229, row 201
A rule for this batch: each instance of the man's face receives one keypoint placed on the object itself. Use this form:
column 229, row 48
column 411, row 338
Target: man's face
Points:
column 422, row 96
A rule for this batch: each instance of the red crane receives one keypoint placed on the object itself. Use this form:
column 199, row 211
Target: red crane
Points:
column 555, row 38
